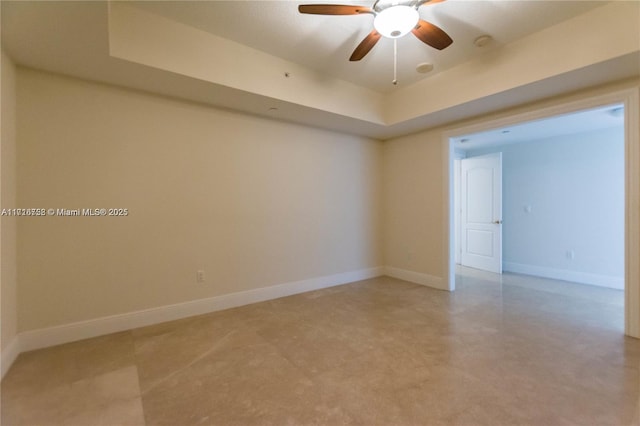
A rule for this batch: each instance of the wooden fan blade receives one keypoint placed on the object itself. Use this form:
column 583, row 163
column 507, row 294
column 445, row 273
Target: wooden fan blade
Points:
column 365, row 46
column 428, row 2
column 333, row 9
column 431, row 35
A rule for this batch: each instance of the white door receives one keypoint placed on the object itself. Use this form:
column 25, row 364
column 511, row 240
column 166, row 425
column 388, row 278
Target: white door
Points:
column 481, row 215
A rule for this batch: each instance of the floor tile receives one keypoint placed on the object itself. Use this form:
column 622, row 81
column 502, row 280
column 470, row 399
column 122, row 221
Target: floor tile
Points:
column 501, row 350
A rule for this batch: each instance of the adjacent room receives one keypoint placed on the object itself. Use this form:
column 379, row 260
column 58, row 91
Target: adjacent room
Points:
column 238, row 213
column 559, row 177
column 527, row 198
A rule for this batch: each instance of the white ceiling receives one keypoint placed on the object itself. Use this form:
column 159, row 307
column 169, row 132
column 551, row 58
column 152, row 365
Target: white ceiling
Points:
column 567, row 124
column 72, row 38
column 324, row 43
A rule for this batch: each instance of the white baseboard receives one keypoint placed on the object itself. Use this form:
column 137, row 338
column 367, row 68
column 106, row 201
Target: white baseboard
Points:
column 565, row 275
column 65, row 333
column 9, row 355
column 416, row 277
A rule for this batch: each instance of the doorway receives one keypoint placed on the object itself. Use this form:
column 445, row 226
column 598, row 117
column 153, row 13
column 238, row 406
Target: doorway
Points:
column 627, row 98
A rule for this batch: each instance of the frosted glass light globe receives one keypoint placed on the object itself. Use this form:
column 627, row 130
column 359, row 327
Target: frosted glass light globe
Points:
column 396, row 21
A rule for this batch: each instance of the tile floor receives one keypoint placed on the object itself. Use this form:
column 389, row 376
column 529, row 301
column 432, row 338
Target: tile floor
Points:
column 501, row 350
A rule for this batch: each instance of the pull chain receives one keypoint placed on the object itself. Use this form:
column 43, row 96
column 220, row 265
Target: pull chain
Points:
column 395, row 62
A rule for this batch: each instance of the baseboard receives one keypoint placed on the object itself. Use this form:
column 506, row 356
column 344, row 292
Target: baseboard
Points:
column 9, row 355
column 416, row 277
column 51, row 336
column 565, row 275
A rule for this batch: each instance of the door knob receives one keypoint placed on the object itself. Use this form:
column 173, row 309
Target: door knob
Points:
column 497, row 222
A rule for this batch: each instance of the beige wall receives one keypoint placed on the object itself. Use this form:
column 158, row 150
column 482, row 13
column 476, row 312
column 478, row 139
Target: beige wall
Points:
column 252, row 202
column 8, row 288
column 412, row 204
column 413, row 181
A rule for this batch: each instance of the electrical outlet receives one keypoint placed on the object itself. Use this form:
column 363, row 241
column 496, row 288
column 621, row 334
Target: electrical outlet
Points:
column 571, row 254
column 200, row 276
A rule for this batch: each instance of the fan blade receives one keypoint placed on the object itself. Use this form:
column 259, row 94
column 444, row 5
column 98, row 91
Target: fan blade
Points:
column 431, row 35
column 428, row 2
column 333, row 9
column 365, row 46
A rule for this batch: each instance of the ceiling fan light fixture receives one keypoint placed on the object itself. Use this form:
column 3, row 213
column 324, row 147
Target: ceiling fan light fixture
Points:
column 396, row 21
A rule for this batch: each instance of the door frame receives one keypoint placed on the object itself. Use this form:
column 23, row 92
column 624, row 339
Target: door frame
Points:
column 630, row 98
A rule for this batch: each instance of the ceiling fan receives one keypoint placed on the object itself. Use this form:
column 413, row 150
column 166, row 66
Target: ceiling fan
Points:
column 393, row 19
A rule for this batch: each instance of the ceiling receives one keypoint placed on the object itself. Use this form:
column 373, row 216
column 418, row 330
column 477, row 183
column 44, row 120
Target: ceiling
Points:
column 324, row 43
column 261, row 40
column 610, row 116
